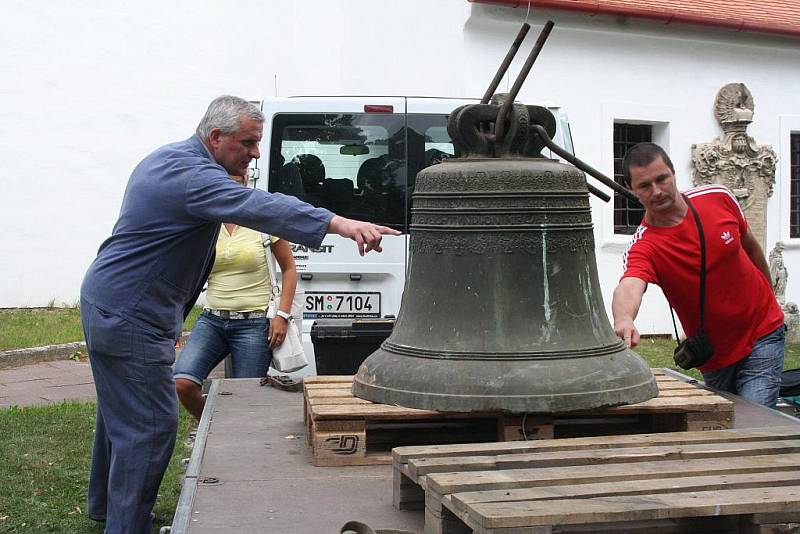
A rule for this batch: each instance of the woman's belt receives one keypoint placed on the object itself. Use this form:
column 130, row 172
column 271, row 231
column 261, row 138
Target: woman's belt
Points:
column 227, row 314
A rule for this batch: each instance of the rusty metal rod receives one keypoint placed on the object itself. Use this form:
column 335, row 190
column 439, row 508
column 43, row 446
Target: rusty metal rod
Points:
column 539, row 129
column 498, row 77
column 499, row 128
column 596, row 192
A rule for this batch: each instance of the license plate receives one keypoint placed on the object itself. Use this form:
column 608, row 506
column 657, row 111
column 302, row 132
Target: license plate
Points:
column 345, row 304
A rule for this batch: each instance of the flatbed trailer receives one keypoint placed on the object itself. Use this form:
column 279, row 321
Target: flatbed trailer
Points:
column 251, row 468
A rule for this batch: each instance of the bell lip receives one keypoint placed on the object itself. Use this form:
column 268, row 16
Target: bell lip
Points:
column 393, row 379
column 541, row 404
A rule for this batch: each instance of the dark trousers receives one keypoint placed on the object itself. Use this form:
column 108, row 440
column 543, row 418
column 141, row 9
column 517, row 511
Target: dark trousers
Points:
column 137, row 419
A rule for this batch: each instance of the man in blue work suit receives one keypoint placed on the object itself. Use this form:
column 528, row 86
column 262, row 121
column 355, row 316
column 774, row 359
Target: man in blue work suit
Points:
column 149, row 273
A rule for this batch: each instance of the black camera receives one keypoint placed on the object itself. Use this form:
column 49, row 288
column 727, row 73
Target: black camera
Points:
column 693, row 351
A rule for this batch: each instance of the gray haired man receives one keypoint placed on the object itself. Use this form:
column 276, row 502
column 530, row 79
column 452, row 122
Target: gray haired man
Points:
column 148, row 274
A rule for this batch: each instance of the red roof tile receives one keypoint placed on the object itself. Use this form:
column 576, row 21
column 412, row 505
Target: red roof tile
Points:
column 771, row 16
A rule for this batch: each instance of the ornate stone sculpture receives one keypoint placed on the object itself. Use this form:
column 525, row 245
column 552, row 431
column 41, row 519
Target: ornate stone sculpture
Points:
column 778, row 271
column 780, row 276
column 736, row 160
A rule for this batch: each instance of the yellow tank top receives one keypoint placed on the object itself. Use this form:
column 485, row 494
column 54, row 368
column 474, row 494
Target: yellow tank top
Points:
column 239, row 280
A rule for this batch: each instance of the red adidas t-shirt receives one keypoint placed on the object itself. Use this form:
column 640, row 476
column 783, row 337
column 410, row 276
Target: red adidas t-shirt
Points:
column 740, row 306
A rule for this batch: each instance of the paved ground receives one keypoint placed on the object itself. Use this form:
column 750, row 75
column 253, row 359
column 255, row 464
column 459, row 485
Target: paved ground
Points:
column 46, row 383
column 51, row 382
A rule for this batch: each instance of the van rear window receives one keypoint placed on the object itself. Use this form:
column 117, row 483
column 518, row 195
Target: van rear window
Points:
column 359, row 165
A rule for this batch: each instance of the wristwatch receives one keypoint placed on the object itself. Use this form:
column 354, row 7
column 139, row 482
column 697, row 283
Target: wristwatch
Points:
column 281, row 313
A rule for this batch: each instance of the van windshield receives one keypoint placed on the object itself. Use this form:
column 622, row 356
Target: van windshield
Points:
column 351, row 164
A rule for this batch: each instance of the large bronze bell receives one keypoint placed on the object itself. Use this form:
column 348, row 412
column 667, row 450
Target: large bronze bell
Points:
column 502, row 309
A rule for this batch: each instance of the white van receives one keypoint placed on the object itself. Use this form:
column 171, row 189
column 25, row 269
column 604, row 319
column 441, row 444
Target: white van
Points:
column 359, row 157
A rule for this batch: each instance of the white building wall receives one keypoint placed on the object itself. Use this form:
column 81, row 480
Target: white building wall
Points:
column 602, row 69
column 90, row 87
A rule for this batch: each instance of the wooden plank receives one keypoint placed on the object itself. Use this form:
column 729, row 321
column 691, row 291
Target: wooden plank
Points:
column 461, row 500
column 406, row 495
column 670, row 384
column 678, row 404
column 339, row 448
column 636, row 507
column 439, row 520
column 692, row 525
column 327, row 401
column 373, row 411
column 425, row 466
column 317, row 393
column 684, row 525
column 327, row 379
column 328, row 385
column 403, row 454
column 340, row 443
column 380, row 411
column 707, row 421
column 448, row 483
column 688, row 392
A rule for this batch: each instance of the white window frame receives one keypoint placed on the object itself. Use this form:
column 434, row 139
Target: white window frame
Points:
column 788, row 125
column 662, row 119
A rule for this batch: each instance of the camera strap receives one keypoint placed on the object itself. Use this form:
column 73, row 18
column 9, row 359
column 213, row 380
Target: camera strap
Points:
column 701, row 235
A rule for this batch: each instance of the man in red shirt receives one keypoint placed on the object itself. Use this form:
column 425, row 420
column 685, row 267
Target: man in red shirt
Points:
column 742, row 318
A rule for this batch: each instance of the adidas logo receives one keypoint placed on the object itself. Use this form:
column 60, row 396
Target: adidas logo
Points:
column 727, row 238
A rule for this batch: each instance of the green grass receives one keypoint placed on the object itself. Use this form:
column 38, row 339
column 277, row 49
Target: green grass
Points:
column 46, row 326
column 34, row 327
column 658, row 353
column 188, row 324
column 44, row 468
column 40, row 326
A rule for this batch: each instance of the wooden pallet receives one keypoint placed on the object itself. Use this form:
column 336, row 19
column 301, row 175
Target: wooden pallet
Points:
column 346, row 430
column 720, row 481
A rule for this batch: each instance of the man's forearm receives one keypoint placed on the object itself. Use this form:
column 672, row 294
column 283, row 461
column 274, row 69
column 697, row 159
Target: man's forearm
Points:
column 625, row 307
column 625, row 303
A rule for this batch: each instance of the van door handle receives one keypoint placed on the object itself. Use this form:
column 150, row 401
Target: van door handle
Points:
column 306, row 276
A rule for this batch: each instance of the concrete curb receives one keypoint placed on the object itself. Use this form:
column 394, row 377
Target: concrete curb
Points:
column 19, row 357
column 9, row 359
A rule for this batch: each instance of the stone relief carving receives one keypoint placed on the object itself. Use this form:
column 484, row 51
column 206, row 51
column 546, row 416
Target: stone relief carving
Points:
column 736, row 160
column 780, row 277
column 778, row 271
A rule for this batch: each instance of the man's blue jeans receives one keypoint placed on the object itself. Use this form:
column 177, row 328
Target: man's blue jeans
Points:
column 757, row 377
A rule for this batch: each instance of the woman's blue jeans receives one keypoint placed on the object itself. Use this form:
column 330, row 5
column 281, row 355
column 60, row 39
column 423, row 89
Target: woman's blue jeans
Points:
column 212, row 338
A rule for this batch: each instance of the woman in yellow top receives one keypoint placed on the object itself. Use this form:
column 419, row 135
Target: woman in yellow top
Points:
column 235, row 319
